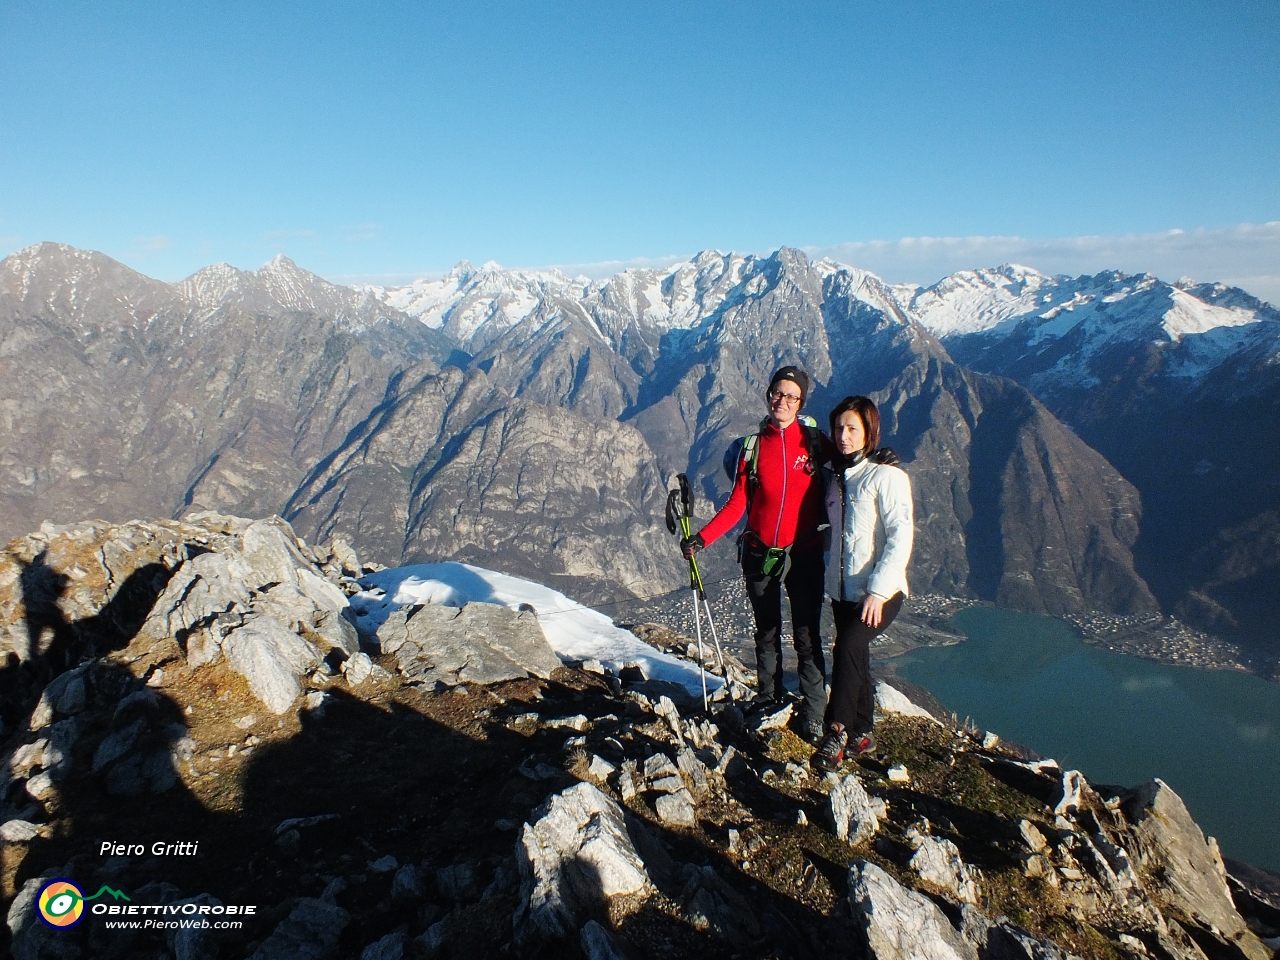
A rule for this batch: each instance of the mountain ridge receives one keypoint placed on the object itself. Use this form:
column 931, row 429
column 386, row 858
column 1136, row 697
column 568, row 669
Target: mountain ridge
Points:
column 1008, row 496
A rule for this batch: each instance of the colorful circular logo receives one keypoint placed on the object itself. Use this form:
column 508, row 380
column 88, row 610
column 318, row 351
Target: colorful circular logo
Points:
column 61, row 903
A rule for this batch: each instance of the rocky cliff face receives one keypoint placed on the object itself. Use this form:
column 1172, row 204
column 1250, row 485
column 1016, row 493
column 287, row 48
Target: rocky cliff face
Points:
column 275, row 391
column 411, row 791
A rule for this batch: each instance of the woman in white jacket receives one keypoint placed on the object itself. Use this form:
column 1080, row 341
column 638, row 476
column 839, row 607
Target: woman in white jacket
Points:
column 869, row 505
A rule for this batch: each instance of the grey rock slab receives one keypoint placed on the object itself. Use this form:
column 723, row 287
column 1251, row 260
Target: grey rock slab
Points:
column 458, row 882
column 575, row 854
column 433, row 938
column 709, row 903
column 195, row 943
column 58, row 755
column 65, row 694
column 627, row 778
column 600, row 768
column 667, row 710
column 346, row 556
column 394, row 631
column 407, row 884
column 40, row 786
column 778, row 720
column 852, row 811
column 390, row 947
column 357, row 668
column 668, row 784
column 1186, row 869
column 310, row 932
column 1005, row 941
column 676, row 809
column 272, row 553
column 116, row 744
column 18, row 831
column 939, row 862
column 1034, row 839
column 30, row 937
column 598, row 943
column 26, row 756
column 272, row 659
column 479, row 643
column 200, row 591
column 659, row 765
column 694, row 772
column 901, row 924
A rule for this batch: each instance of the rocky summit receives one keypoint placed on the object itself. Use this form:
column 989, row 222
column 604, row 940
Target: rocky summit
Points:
column 203, row 739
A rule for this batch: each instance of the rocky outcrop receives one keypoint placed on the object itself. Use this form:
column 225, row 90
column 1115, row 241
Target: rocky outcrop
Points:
column 477, row 643
column 212, row 587
column 674, row 833
column 573, row 855
column 1167, row 843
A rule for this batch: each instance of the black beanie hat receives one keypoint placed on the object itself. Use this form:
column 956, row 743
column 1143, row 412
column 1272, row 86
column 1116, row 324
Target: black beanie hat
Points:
column 796, row 376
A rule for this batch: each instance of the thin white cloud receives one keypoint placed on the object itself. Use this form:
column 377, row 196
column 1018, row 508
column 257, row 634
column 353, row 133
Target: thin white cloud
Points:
column 1246, row 255
column 146, row 245
column 362, row 233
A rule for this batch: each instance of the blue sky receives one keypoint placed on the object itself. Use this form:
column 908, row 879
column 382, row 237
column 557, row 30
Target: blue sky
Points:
column 394, row 139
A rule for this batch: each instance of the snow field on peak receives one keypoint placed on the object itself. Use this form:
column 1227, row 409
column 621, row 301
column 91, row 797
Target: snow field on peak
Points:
column 574, row 632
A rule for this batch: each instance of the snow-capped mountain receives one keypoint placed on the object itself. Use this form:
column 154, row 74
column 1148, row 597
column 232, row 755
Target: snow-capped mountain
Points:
column 283, row 286
column 1063, row 334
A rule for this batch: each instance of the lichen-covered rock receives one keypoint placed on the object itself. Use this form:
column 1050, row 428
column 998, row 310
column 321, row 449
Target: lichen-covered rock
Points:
column 574, row 854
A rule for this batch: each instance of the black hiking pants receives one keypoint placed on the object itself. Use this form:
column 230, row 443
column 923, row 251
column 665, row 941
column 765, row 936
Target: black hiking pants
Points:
column 803, row 577
column 853, row 692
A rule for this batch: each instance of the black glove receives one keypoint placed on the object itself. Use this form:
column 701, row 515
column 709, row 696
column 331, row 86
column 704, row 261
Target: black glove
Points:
column 691, row 545
column 886, row 456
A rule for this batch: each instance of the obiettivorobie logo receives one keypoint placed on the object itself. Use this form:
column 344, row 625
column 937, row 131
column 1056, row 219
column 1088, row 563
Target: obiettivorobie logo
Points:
column 61, row 902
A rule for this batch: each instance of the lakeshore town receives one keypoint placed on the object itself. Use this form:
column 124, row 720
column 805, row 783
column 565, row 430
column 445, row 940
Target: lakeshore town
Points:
column 926, row 621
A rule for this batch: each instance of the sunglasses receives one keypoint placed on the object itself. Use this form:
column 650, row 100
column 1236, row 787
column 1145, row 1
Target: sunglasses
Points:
column 777, row 396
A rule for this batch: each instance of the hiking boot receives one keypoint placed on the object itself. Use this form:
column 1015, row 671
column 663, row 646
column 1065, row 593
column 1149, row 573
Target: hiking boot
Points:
column 762, row 707
column 862, row 743
column 831, row 750
column 812, row 731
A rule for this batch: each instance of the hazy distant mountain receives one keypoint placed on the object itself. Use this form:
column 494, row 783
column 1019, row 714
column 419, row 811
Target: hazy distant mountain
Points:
column 533, row 421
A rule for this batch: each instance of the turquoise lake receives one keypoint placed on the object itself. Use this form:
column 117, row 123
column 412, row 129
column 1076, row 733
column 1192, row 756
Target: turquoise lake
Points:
column 1212, row 735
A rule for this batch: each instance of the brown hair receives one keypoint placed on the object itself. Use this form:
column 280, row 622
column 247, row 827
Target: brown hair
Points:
column 866, row 410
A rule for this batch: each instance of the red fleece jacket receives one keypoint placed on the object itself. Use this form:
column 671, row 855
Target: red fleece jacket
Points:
column 787, row 504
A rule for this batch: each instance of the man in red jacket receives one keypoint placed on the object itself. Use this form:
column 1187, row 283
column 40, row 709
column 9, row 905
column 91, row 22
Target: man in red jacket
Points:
column 779, row 487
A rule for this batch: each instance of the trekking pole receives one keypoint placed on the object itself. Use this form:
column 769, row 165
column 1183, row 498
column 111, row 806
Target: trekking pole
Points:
column 695, row 577
column 678, row 502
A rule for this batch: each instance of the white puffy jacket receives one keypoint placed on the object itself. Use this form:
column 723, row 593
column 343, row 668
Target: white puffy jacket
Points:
column 877, row 525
